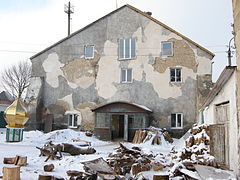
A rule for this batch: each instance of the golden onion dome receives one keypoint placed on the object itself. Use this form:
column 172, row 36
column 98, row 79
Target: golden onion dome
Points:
column 16, row 115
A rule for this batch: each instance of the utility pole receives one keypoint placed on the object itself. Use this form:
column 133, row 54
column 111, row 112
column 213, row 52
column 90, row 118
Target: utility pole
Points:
column 69, row 10
column 116, row 4
column 229, row 52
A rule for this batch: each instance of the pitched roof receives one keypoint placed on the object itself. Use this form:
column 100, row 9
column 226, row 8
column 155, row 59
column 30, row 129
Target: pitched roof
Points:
column 136, row 10
column 222, row 80
column 138, row 106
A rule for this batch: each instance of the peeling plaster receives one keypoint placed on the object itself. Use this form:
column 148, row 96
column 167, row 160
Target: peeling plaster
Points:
column 52, row 67
column 108, row 72
column 82, row 72
column 68, row 99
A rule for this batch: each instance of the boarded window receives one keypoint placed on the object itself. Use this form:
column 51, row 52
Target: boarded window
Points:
column 127, row 49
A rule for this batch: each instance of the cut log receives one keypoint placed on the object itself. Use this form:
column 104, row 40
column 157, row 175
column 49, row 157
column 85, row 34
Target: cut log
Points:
column 45, row 177
column 160, row 177
column 136, row 136
column 9, row 160
column 48, row 167
column 22, row 161
column 11, row 173
column 74, row 173
column 74, row 150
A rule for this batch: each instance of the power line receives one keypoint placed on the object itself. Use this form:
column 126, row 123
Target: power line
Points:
column 16, row 51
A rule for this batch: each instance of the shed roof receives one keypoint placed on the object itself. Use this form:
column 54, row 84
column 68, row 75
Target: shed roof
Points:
column 222, row 80
column 140, row 107
column 136, row 10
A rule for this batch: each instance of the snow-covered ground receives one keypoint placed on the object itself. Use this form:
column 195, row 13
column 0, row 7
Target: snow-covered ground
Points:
column 36, row 138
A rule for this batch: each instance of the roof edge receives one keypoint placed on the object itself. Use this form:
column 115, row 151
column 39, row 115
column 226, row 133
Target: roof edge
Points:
column 124, row 102
column 170, row 29
column 136, row 10
column 218, row 85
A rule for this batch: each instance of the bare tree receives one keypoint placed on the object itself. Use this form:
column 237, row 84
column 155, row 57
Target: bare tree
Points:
column 16, row 78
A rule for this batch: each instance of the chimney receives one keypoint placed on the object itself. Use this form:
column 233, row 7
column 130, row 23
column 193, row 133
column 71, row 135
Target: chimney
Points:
column 148, row 13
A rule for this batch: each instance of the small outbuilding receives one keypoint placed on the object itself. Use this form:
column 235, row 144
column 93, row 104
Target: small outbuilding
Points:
column 120, row 120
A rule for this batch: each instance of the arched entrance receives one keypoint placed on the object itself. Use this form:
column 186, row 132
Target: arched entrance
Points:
column 120, row 120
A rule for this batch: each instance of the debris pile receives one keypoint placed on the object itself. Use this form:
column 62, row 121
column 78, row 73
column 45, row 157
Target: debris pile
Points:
column 195, row 152
column 152, row 135
column 54, row 151
column 129, row 161
column 197, row 148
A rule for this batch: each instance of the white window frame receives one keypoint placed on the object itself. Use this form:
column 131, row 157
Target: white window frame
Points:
column 85, row 51
column 176, row 121
column 162, row 50
column 71, row 117
column 130, row 47
column 125, row 72
column 175, row 71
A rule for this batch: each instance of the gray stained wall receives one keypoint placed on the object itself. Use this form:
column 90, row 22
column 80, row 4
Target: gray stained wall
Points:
column 72, row 82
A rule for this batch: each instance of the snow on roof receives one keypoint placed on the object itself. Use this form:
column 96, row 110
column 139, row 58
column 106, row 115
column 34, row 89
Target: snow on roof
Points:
column 142, row 107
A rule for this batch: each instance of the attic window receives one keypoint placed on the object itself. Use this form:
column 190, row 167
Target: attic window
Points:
column 89, row 52
column 127, row 49
column 167, row 48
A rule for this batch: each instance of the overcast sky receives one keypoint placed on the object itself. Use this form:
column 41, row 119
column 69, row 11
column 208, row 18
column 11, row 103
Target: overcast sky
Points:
column 29, row 26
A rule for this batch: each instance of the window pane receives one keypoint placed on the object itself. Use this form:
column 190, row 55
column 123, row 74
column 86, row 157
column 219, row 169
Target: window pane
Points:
column 179, row 120
column 121, row 50
column 133, row 48
column 172, row 75
column 167, row 48
column 70, row 120
column 129, row 75
column 89, row 51
column 127, row 48
column 75, row 120
column 173, row 120
column 123, row 75
column 178, row 75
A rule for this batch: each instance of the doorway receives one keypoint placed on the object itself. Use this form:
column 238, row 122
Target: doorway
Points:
column 117, row 126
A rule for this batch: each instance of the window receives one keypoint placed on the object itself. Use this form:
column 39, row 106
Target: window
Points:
column 72, row 120
column 175, row 75
column 89, row 52
column 167, row 49
column 127, row 48
column 126, row 75
column 176, row 120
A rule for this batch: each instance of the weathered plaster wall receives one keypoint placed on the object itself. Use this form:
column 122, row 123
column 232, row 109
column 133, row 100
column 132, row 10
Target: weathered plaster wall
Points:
column 73, row 82
column 236, row 17
column 34, row 101
column 228, row 93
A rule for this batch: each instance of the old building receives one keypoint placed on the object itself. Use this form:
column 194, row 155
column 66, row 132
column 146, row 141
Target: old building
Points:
column 220, row 112
column 122, row 72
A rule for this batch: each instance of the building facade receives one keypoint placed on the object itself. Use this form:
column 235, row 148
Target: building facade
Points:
column 128, row 57
column 220, row 112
